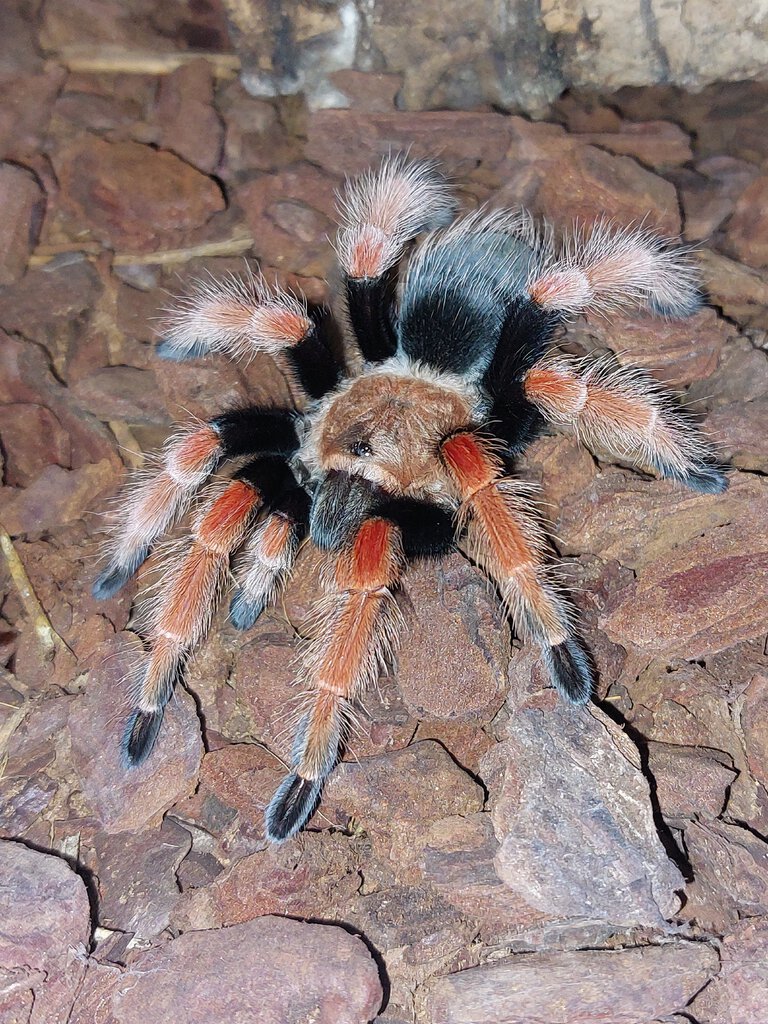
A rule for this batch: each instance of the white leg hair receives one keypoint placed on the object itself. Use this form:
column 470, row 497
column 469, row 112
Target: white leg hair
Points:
column 263, row 567
column 607, row 268
column 152, row 503
column 623, row 411
column 382, row 210
column 238, row 316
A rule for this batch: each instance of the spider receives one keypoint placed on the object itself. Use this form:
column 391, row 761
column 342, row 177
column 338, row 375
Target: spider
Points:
column 453, row 317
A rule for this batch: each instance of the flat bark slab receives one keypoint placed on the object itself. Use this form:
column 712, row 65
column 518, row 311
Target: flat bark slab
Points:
column 629, row 986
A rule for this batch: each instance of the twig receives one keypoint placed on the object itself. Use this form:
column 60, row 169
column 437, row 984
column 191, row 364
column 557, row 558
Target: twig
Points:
column 45, row 631
column 227, row 247
column 114, row 60
column 8, row 728
column 129, row 446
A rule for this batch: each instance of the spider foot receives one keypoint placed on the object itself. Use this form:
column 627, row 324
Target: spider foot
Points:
column 571, row 670
column 291, row 807
column 115, row 576
column 139, row 736
column 243, row 611
column 168, row 349
column 706, row 477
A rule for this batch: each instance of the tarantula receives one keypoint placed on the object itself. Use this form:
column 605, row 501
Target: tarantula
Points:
column 405, row 457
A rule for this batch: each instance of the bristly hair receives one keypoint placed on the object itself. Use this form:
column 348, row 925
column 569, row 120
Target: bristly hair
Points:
column 458, row 287
column 237, row 315
column 449, row 322
column 152, row 503
column 486, row 251
column 669, row 442
column 320, row 738
column 291, row 807
column 382, row 210
column 139, row 736
column 606, row 269
column 571, row 669
column 263, row 567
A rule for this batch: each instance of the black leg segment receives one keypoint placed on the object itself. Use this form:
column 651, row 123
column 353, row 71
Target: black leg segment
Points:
column 427, row 530
column 371, row 309
column 342, row 502
column 525, row 337
column 292, row 506
column 254, row 430
column 270, row 477
column 315, row 358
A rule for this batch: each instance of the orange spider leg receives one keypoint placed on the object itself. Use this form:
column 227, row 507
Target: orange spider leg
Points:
column 507, row 541
column 184, row 611
column 358, row 626
column 624, row 412
column 151, row 508
column 267, row 559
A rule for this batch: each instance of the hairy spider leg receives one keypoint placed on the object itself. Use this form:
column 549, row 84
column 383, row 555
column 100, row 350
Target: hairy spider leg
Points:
column 315, row 362
column 525, row 336
column 621, row 410
column 190, row 592
column 479, row 303
column 185, row 607
column 507, row 541
column 381, row 212
column 357, row 627
column 607, row 268
column 458, row 289
column 266, row 560
column 240, row 316
column 151, row 505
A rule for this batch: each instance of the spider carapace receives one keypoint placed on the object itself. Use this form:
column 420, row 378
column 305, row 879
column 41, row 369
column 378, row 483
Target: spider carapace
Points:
column 453, row 318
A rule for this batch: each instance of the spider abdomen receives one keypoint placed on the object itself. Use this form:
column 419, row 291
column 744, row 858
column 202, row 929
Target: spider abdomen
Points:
column 457, row 292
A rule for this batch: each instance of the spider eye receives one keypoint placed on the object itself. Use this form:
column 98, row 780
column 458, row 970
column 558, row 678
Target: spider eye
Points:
column 361, row 449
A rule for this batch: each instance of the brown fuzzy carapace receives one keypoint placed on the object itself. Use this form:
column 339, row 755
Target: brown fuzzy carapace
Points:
column 388, row 427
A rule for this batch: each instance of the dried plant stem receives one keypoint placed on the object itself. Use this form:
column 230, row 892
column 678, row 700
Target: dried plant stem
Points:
column 47, row 635
column 130, row 450
column 227, row 247
column 8, row 728
column 115, row 60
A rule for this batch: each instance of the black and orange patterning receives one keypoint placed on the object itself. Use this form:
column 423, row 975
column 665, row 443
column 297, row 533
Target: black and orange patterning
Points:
column 406, row 457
